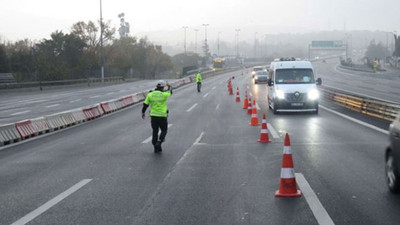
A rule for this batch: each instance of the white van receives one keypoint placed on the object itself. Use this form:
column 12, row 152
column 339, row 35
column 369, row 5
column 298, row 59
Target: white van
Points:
column 292, row 87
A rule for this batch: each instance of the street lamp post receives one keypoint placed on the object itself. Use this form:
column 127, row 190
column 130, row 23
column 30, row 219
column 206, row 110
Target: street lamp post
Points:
column 218, row 43
column 195, row 40
column 184, row 37
column 255, row 45
column 237, row 42
column 101, row 43
column 205, row 42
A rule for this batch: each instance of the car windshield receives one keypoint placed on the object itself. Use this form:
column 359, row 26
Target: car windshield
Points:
column 294, row 76
column 262, row 73
column 257, row 69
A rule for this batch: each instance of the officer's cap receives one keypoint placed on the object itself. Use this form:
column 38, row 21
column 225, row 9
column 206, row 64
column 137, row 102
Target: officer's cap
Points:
column 161, row 83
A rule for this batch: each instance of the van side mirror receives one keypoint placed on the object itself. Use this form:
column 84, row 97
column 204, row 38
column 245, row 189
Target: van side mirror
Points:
column 319, row 81
column 270, row 82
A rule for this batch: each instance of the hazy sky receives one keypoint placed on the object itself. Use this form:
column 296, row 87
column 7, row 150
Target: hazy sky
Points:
column 37, row 19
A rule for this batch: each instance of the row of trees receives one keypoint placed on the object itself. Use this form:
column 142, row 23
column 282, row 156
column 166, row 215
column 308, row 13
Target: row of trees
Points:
column 77, row 54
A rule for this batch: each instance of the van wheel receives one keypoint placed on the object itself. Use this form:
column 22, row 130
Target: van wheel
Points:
column 275, row 110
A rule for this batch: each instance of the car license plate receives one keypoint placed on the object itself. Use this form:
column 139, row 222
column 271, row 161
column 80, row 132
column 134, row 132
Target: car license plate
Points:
column 297, row 104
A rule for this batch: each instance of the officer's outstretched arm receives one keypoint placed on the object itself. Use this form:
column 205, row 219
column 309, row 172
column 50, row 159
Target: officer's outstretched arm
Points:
column 144, row 109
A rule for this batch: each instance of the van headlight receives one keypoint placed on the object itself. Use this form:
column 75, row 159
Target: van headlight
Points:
column 279, row 94
column 313, row 94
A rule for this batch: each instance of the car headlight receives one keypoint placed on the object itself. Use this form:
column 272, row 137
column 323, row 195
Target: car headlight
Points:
column 279, row 94
column 313, row 94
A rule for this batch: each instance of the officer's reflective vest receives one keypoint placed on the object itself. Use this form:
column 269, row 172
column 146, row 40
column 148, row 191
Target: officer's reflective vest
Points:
column 158, row 103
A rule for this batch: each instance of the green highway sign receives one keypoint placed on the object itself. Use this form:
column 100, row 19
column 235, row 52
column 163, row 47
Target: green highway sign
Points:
column 327, row 44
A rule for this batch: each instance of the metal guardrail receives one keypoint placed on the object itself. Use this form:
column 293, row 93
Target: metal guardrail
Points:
column 372, row 107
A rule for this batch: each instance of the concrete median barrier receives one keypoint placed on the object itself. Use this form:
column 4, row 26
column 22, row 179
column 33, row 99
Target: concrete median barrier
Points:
column 25, row 129
column 68, row 118
column 93, row 112
column 106, row 108
column 40, row 125
column 55, row 122
column 78, row 115
column 9, row 134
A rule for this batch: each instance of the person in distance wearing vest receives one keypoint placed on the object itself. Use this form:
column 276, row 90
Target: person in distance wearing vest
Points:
column 157, row 100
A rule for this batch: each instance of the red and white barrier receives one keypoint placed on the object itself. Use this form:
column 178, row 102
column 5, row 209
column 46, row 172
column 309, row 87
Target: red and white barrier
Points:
column 25, row 129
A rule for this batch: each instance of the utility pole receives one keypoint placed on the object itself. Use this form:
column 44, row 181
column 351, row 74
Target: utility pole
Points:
column 218, row 43
column 101, row 43
column 184, row 43
column 205, row 43
column 255, row 45
column 237, row 42
column 195, row 40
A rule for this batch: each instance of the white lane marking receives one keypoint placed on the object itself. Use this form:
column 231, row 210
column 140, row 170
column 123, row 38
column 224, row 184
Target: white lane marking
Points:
column 272, row 131
column 257, row 106
column 205, row 95
column 251, row 94
column 76, row 100
column 355, row 120
column 96, row 96
column 36, row 101
column 190, row 109
column 248, row 87
column 110, row 93
column 199, row 138
column 51, row 106
column 316, row 207
column 151, row 137
column 213, row 88
column 19, row 113
column 32, row 215
column 217, row 107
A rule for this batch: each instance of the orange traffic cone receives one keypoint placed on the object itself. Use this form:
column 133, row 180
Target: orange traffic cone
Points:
column 249, row 108
column 237, row 95
column 254, row 118
column 245, row 102
column 287, row 186
column 230, row 91
column 264, row 137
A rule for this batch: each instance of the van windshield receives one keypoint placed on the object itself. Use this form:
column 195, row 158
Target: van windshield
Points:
column 294, row 76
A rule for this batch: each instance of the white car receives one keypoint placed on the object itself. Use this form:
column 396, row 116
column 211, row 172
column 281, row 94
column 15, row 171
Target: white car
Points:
column 261, row 77
column 255, row 69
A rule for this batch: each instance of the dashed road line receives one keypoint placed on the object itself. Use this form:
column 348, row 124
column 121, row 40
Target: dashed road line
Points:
column 204, row 96
column 320, row 214
column 213, row 88
column 76, row 100
column 151, row 137
column 272, row 130
column 191, row 108
column 217, row 107
column 110, row 93
column 35, row 213
column 19, row 113
column 51, row 106
column 96, row 96
column 251, row 94
column 257, row 106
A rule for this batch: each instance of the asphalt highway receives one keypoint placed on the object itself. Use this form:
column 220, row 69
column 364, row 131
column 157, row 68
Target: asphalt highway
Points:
column 212, row 169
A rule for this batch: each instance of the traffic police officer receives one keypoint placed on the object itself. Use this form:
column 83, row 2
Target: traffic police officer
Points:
column 157, row 100
column 199, row 79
